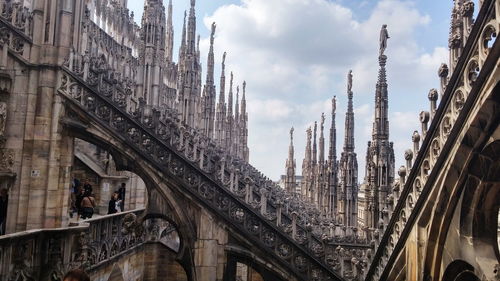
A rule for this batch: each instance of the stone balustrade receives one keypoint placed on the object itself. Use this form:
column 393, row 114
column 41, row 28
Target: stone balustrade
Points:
column 46, row 254
column 15, row 28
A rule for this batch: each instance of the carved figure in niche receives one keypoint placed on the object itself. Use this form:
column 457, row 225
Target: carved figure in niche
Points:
column 3, row 118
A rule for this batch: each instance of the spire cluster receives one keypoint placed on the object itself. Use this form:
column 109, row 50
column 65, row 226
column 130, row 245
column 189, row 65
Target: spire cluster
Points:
column 333, row 185
column 178, row 86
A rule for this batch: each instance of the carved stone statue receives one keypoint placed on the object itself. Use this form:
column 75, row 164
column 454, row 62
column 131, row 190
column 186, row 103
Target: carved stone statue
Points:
column 213, row 28
column 384, row 35
column 322, row 120
column 291, row 134
column 349, row 81
column 3, row 118
column 334, row 104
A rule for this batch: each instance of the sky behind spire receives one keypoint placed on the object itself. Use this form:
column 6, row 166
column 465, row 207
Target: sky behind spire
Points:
column 294, row 55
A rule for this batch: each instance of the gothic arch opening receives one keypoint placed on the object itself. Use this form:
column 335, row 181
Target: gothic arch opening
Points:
column 116, row 274
column 480, row 207
column 459, row 270
column 163, row 231
column 247, row 273
column 94, row 171
column 160, row 199
column 243, row 265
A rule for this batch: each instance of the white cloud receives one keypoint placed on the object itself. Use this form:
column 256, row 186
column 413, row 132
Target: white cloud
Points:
column 294, row 55
column 269, row 110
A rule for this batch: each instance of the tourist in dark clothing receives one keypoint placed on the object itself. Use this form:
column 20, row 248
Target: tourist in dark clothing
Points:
column 121, row 192
column 88, row 204
column 78, row 200
column 4, row 201
column 87, row 187
column 113, row 204
column 73, row 196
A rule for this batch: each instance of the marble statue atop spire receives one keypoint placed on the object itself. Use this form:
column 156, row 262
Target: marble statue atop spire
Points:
column 349, row 81
column 384, row 35
column 212, row 34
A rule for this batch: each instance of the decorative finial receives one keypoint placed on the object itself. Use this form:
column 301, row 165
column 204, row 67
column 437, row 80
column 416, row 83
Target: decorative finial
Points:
column 291, row 134
column 384, row 35
column 224, row 58
column 322, row 119
column 193, row 3
column 244, row 87
column 334, row 104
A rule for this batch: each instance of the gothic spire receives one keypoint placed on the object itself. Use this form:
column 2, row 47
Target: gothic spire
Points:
column 244, row 125
column 243, row 101
column 306, row 166
column 322, row 140
column 220, row 118
column 380, row 152
column 349, row 117
column 315, row 148
column 209, row 95
column 348, row 188
column 237, row 105
column 230, row 98
column 222, row 98
column 182, row 49
column 381, row 122
column 307, row 153
column 152, row 32
column 170, row 34
column 210, row 60
column 191, row 30
column 332, row 155
column 290, row 183
column 332, row 164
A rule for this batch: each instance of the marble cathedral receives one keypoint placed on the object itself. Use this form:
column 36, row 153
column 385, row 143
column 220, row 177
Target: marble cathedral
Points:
column 77, row 76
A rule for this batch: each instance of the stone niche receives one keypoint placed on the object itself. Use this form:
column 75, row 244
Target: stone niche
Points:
column 6, row 155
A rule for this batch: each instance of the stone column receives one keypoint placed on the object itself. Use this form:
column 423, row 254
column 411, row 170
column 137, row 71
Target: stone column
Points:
column 44, row 175
column 209, row 254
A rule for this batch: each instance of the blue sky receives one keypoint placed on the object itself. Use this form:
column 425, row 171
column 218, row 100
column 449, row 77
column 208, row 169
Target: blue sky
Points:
column 295, row 54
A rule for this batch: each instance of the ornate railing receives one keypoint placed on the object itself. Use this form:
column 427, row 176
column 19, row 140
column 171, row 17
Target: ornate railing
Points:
column 15, row 26
column 47, row 254
column 468, row 76
column 287, row 227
